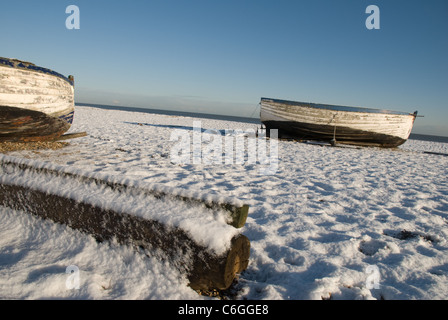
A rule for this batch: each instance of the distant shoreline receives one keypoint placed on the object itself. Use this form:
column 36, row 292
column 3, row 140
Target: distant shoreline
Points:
column 173, row 113
column 414, row 136
column 426, row 137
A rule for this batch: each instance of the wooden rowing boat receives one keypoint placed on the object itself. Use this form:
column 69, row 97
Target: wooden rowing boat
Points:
column 337, row 124
column 36, row 104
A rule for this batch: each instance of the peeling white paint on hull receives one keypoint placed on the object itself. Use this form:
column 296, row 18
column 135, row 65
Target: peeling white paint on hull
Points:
column 36, row 104
column 345, row 125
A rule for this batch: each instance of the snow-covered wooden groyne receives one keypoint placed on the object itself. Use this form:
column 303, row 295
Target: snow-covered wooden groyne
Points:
column 195, row 236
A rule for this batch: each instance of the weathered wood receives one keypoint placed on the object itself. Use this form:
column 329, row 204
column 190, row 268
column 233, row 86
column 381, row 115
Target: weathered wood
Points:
column 221, row 271
column 36, row 104
column 238, row 214
column 21, row 125
column 205, row 271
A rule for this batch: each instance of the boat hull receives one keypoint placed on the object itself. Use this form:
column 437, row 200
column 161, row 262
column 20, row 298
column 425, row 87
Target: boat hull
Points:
column 344, row 125
column 23, row 125
column 36, row 104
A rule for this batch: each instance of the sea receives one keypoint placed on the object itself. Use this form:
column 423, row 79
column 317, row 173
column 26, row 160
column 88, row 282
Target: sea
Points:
column 413, row 136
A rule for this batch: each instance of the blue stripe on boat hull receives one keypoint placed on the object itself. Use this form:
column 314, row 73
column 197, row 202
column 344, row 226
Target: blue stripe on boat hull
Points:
column 17, row 64
column 68, row 117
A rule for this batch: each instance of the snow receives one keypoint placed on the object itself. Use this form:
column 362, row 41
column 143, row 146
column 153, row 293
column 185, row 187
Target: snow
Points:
column 207, row 228
column 331, row 223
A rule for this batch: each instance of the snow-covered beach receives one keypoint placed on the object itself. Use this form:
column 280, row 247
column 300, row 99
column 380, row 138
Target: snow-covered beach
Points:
column 330, row 223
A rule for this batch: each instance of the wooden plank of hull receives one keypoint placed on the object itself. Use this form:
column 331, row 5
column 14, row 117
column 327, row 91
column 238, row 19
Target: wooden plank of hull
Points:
column 374, row 128
column 36, row 91
column 36, row 104
column 22, row 125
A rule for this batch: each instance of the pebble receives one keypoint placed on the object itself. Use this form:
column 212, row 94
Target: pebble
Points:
column 19, row 146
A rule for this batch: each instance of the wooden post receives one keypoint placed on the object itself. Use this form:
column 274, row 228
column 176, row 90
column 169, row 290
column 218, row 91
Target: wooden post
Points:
column 69, row 136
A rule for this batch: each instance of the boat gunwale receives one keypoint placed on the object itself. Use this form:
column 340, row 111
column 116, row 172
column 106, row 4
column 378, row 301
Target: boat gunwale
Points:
column 23, row 65
column 337, row 107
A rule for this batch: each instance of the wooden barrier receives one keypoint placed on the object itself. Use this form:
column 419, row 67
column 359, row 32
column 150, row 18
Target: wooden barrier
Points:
column 237, row 214
column 205, row 269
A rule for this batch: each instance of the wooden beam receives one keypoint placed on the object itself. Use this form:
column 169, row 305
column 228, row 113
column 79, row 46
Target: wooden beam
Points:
column 237, row 214
column 69, row 136
column 205, row 269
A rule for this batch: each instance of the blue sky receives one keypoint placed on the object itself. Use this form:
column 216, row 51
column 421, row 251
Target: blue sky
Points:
column 221, row 57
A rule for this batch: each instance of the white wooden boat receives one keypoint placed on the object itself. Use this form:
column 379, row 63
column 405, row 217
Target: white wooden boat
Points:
column 337, row 124
column 36, row 104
